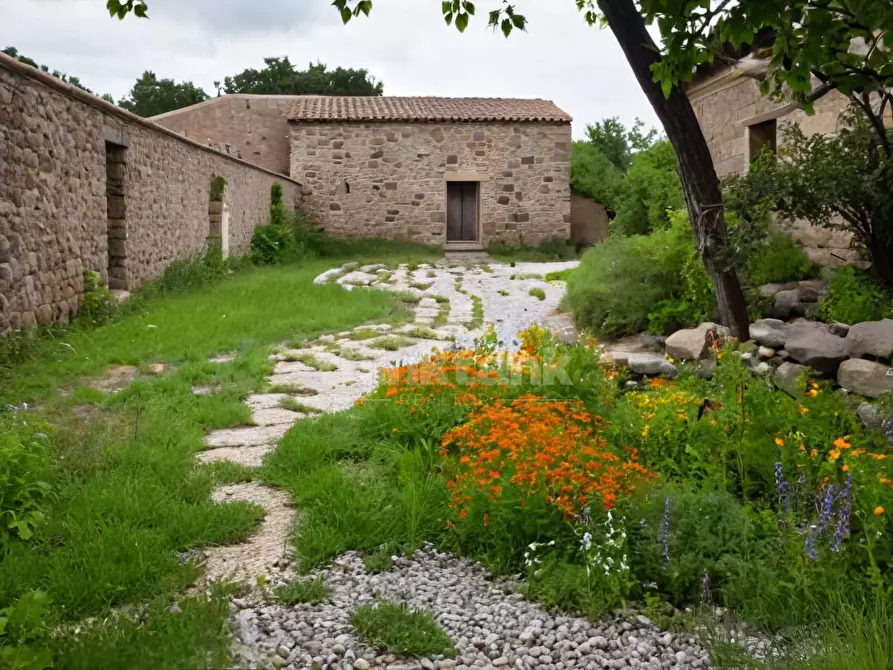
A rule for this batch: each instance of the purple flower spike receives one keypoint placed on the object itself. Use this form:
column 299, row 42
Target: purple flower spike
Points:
column 782, row 487
column 665, row 534
column 843, row 515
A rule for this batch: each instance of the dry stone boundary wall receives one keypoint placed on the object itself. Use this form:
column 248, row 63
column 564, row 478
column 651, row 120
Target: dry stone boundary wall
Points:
column 88, row 186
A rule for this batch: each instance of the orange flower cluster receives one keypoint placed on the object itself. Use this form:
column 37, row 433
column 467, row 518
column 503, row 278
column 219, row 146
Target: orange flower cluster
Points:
column 542, row 447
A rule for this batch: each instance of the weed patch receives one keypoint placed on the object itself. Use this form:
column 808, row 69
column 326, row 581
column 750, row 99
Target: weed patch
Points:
column 401, row 630
column 307, row 592
column 390, row 343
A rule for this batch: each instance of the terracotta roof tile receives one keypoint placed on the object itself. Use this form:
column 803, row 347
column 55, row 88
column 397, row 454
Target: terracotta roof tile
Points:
column 328, row 109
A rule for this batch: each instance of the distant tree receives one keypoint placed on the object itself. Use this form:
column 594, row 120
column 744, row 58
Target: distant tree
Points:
column 68, row 79
column 280, row 77
column 618, row 144
column 151, row 96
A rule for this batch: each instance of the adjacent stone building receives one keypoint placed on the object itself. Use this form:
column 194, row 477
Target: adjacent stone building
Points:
column 738, row 122
column 454, row 171
column 89, row 186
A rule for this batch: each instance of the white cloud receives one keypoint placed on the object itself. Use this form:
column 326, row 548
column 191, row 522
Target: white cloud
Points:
column 404, row 43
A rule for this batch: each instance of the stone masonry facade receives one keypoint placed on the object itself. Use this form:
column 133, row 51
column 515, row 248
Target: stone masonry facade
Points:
column 254, row 125
column 727, row 106
column 390, row 178
column 88, row 186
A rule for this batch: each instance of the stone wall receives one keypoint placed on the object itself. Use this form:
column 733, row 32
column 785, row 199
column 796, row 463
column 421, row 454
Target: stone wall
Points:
column 589, row 220
column 390, row 179
column 727, row 105
column 254, row 125
column 88, row 186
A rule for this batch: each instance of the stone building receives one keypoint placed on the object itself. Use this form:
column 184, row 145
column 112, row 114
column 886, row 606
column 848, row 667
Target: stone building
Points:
column 88, row 186
column 738, row 122
column 453, row 171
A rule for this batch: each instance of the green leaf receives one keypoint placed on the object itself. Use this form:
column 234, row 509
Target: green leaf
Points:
column 365, row 6
column 346, row 14
column 494, row 18
column 462, row 22
column 448, row 17
column 446, row 7
column 506, row 27
column 469, row 7
column 140, row 10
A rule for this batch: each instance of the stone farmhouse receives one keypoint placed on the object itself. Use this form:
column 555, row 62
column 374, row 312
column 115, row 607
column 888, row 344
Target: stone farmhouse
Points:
column 463, row 172
column 88, row 186
column 738, row 122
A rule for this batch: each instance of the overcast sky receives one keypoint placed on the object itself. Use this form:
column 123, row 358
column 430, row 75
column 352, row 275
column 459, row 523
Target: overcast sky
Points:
column 403, row 43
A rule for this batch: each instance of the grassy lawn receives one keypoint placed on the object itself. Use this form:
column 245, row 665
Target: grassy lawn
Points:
column 127, row 502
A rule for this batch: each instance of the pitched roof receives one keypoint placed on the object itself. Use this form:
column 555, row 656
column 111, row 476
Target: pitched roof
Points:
column 331, row 109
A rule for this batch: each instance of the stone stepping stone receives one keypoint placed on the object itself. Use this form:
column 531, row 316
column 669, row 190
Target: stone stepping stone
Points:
column 266, row 552
column 245, row 436
column 250, row 457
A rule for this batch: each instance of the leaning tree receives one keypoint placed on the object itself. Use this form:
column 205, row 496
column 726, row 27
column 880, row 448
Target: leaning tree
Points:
column 819, row 46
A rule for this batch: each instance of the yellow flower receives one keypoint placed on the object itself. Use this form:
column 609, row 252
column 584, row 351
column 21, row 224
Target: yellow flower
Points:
column 878, row 510
column 845, row 468
column 803, row 410
column 833, row 455
column 813, row 453
column 812, row 393
column 779, row 442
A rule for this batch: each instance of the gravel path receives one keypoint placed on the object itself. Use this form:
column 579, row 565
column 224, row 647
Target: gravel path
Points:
column 491, row 626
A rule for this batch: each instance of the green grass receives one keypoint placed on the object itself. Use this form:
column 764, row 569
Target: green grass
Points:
column 289, row 389
column 552, row 250
column 379, row 561
column 421, row 333
column 441, row 299
column 477, row 313
column 422, row 286
column 537, row 293
column 128, row 498
column 407, row 297
column 527, row 275
column 561, row 275
column 352, row 354
column 390, row 343
column 400, row 630
column 294, row 405
column 367, row 250
column 430, row 274
column 443, row 314
column 486, row 268
column 308, row 592
column 364, row 334
column 310, row 361
column 503, row 292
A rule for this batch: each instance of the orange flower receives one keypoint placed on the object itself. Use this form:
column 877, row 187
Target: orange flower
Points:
column 812, row 393
column 813, row 453
column 803, row 410
column 833, row 455
column 841, row 442
column 802, row 448
column 391, row 392
column 878, row 510
column 845, row 468
column 779, row 442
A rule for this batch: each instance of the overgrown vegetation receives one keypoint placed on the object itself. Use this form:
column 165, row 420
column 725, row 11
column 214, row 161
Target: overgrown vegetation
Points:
column 854, row 296
column 772, row 507
column 555, row 249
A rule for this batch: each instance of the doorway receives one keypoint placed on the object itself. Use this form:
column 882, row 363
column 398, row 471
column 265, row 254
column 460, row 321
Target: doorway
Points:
column 462, row 211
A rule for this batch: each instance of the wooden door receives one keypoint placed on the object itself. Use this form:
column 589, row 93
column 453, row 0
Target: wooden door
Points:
column 462, row 211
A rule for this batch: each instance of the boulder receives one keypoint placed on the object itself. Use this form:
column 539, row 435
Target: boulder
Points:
column 869, row 415
column 562, row 325
column 769, row 333
column 651, row 364
column 865, row 378
column 789, row 377
column 811, row 290
column 766, row 352
column 373, row 268
column 328, row 276
column 770, row 290
column 350, row 266
column 787, row 304
column 871, row 338
column 691, row 344
column 357, row 278
column 811, row 344
column 707, row 368
column 839, row 329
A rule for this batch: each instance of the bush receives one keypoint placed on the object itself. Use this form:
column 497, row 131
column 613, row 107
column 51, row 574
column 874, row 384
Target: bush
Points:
column 649, row 193
column 99, row 303
column 780, row 259
column 24, row 476
column 630, row 284
column 854, row 296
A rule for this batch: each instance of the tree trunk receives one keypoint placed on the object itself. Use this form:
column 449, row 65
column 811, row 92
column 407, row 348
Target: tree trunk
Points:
column 699, row 181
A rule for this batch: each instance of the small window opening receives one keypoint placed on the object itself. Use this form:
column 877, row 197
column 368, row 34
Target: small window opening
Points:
column 763, row 136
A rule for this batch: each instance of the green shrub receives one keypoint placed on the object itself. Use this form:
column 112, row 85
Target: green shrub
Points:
column 555, row 249
column 854, row 296
column 537, row 293
column 23, row 633
column 629, row 284
column 99, row 303
column 24, row 475
column 649, row 193
column 780, row 260
column 401, row 630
